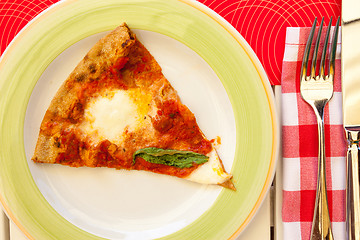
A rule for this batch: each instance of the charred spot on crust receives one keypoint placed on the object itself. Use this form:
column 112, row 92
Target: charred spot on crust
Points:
column 130, row 32
column 92, row 68
column 125, row 43
column 80, row 77
column 57, row 142
column 99, row 53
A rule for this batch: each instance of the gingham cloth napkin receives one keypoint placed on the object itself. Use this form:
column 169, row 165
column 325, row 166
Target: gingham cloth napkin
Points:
column 300, row 147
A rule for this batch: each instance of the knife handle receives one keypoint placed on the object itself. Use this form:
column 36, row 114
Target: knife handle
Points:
column 352, row 185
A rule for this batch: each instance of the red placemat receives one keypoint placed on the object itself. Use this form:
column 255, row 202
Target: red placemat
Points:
column 261, row 22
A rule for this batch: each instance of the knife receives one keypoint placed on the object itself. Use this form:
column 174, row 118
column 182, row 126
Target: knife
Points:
column 350, row 71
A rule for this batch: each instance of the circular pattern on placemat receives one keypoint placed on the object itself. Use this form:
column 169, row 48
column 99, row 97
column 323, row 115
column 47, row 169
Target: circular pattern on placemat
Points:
column 15, row 14
column 261, row 22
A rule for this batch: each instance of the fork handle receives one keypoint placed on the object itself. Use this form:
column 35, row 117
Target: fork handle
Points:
column 321, row 226
column 352, row 185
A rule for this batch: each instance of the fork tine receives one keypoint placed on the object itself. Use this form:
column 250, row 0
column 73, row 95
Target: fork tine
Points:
column 323, row 55
column 307, row 52
column 333, row 50
column 316, row 48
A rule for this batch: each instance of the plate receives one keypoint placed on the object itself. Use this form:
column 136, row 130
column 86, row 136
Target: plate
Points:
column 230, row 95
column 111, row 208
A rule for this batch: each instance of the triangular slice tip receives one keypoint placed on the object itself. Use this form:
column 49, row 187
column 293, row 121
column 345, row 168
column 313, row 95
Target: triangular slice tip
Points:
column 116, row 109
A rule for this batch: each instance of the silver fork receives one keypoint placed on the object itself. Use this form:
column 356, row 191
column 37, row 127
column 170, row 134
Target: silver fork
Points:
column 317, row 90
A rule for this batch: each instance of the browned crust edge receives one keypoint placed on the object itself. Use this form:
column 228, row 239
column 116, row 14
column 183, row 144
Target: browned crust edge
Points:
column 228, row 184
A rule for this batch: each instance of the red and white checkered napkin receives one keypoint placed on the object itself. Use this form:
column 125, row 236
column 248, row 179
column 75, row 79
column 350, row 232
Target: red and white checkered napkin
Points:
column 300, row 147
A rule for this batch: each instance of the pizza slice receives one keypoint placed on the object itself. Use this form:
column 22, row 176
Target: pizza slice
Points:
column 117, row 110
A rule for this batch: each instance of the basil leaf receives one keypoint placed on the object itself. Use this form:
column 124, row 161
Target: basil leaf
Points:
column 170, row 157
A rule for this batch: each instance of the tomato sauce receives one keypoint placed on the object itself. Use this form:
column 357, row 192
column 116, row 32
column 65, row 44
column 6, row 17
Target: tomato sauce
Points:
column 173, row 122
column 111, row 79
column 103, row 158
column 176, row 120
column 71, row 156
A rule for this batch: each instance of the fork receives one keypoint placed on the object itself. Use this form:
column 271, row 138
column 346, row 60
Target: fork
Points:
column 317, row 90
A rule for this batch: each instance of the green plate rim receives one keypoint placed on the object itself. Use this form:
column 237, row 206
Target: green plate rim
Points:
column 226, row 44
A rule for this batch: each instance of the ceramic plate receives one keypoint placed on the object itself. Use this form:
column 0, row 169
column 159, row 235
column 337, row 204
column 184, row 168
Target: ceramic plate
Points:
column 216, row 75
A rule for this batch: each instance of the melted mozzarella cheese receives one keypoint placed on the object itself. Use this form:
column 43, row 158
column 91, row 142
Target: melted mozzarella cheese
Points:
column 110, row 115
column 211, row 172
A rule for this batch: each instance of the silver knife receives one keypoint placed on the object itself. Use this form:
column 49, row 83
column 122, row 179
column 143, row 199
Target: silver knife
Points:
column 350, row 71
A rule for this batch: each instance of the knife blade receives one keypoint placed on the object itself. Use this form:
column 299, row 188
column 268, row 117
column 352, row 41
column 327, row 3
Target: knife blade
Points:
column 350, row 71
